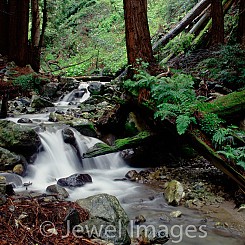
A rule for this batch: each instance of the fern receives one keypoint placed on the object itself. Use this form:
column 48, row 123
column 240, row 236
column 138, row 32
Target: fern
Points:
column 183, row 122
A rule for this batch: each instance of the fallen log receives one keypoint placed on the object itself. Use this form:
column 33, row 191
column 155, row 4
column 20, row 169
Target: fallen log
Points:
column 120, row 144
column 94, row 78
column 196, row 140
column 228, row 107
column 193, row 13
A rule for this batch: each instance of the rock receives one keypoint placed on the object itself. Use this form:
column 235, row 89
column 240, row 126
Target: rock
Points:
column 96, row 88
column 107, row 215
column 69, row 83
column 139, row 219
column 12, row 179
column 39, row 102
column 84, row 127
column 3, row 183
column 72, row 218
column 75, row 180
column 68, row 136
column 241, row 208
column 8, row 159
column 19, row 169
column 24, row 120
column 132, row 175
column 3, row 199
column 174, row 192
column 175, row 214
column 58, row 190
column 50, row 89
column 18, row 138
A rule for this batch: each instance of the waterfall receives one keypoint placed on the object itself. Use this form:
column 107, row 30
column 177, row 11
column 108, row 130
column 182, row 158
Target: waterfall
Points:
column 59, row 159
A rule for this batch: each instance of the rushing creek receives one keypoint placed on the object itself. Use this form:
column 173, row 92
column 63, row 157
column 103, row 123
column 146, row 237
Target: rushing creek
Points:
column 58, row 159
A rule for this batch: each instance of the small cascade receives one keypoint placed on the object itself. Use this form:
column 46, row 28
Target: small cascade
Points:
column 59, row 159
column 78, row 95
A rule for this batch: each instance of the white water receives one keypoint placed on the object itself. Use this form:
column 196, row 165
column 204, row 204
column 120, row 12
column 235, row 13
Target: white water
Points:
column 59, row 160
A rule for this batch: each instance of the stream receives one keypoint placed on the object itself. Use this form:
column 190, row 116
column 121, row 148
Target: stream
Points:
column 58, row 159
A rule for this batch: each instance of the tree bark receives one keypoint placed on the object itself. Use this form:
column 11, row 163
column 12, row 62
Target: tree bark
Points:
column 44, row 24
column 18, row 31
column 218, row 34
column 197, row 10
column 35, row 50
column 241, row 24
column 137, row 32
column 4, row 15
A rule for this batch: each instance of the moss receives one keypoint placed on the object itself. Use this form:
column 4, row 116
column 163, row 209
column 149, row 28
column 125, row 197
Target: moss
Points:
column 227, row 105
column 120, row 144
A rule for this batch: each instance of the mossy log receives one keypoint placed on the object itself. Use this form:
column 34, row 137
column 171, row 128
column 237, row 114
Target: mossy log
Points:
column 228, row 106
column 120, row 144
column 203, row 148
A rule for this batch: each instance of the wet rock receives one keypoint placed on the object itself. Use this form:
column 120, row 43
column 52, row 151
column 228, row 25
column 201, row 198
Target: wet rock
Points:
column 241, row 208
column 8, row 159
column 50, row 89
column 24, row 120
column 68, row 136
column 58, row 190
column 96, row 88
column 75, row 180
column 106, row 211
column 175, row 214
column 139, row 219
column 3, row 183
column 174, row 192
column 39, row 102
column 72, row 218
column 69, row 83
column 3, row 199
column 84, row 127
column 158, row 237
column 132, row 175
column 12, row 179
column 19, row 169
column 19, row 138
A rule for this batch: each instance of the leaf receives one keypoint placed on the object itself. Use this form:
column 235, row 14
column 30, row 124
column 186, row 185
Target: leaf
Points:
column 182, row 123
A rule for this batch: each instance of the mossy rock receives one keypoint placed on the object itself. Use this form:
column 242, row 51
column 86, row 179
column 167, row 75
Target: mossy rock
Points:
column 8, row 159
column 18, row 138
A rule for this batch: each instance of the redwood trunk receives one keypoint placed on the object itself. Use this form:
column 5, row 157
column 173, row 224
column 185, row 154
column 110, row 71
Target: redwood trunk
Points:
column 35, row 50
column 138, row 40
column 217, row 22
column 241, row 24
column 18, row 31
column 4, row 15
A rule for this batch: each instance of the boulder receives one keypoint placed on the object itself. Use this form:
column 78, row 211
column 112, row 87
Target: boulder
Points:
column 96, row 88
column 39, row 102
column 19, row 169
column 84, row 127
column 50, row 89
column 24, row 120
column 12, row 179
column 57, row 190
column 3, row 183
column 8, row 159
column 107, row 215
column 75, row 180
column 68, row 136
column 18, row 138
column 174, row 192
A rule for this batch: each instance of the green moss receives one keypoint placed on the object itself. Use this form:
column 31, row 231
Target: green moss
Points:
column 227, row 105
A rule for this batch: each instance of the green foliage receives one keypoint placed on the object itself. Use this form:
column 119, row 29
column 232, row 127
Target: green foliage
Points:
column 28, row 82
column 210, row 123
column 227, row 66
column 236, row 155
column 174, row 97
column 223, row 136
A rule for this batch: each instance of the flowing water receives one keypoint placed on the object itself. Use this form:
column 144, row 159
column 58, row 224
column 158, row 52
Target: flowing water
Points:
column 58, row 159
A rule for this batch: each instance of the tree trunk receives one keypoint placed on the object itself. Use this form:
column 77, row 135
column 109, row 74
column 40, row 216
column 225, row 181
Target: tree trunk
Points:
column 44, row 24
column 4, row 15
column 197, row 10
column 18, row 31
column 241, row 24
column 35, row 50
column 138, row 40
column 218, row 35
